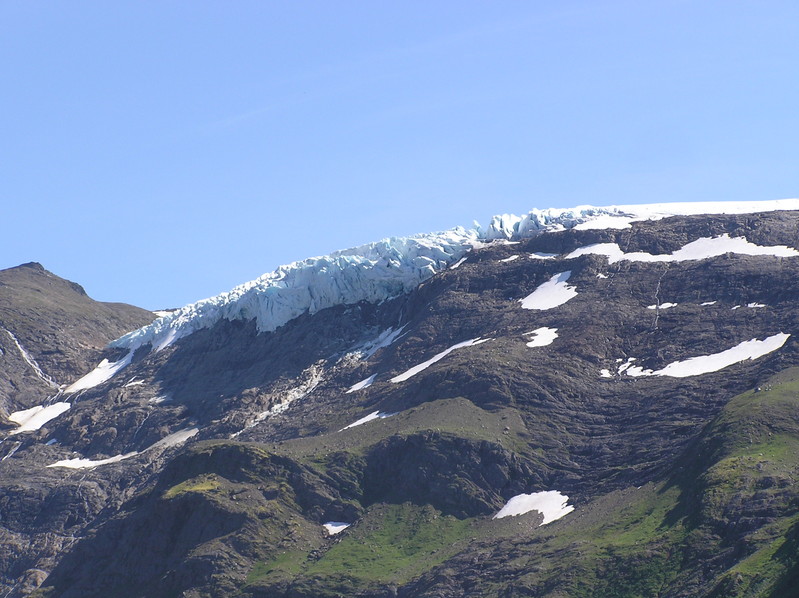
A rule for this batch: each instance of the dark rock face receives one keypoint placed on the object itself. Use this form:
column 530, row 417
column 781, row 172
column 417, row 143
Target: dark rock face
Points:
column 51, row 333
column 456, row 476
column 679, row 484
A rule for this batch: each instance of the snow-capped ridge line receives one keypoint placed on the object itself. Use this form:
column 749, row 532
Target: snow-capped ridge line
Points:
column 392, row 267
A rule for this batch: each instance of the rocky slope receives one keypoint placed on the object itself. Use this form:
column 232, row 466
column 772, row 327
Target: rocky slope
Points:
column 51, row 333
column 647, row 373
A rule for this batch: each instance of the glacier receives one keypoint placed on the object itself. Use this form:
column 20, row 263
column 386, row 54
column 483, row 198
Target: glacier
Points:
column 392, row 267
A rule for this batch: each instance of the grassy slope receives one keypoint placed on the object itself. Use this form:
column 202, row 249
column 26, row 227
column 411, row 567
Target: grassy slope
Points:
column 732, row 507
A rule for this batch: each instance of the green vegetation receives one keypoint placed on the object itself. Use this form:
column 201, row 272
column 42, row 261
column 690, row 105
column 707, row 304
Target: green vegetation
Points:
column 285, row 565
column 732, row 505
column 205, row 483
column 395, row 543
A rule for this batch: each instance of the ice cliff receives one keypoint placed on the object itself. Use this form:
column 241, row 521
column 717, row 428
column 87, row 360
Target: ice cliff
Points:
column 392, row 267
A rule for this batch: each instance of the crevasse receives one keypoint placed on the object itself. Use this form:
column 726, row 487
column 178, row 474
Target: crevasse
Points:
column 389, row 268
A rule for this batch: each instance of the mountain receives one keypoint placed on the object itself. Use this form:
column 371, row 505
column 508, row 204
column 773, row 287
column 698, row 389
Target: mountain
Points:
column 52, row 332
column 586, row 402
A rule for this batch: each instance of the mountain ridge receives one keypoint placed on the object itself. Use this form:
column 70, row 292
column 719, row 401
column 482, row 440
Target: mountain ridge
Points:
column 364, row 449
column 420, row 256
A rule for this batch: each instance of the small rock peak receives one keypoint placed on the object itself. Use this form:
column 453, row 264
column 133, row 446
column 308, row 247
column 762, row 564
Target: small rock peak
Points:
column 77, row 288
column 33, row 266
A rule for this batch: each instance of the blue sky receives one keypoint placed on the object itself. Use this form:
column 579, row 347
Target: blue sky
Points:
column 162, row 152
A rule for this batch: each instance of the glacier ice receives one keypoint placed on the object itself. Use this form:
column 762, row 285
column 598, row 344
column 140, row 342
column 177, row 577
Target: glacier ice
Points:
column 392, row 267
column 372, row 273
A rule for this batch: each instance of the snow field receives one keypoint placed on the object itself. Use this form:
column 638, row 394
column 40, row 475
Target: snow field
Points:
column 35, row 417
column 103, row 372
column 703, row 248
column 335, row 527
column 372, row 416
column 704, row 364
column 552, row 293
column 543, row 256
column 366, row 383
column 437, row 357
column 550, row 503
column 173, row 439
column 542, row 337
column 662, row 306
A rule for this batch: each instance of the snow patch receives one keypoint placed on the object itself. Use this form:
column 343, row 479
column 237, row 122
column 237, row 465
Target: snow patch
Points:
column 510, row 259
column 551, row 504
column 542, row 337
column 437, row 357
column 704, row 364
column 552, row 293
column 31, row 361
column 335, row 527
column 384, row 339
column 83, row 463
column 366, row 383
column 755, row 305
column 35, row 417
column 10, row 453
column 662, row 306
column 703, row 248
column 626, row 365
column 103, row 372
column 706, row 303
column 543, row 256
column 600, row 275
column 606, row 221
column 457, row 264
column 174, row 439
column 605, row 373
column 372, row 416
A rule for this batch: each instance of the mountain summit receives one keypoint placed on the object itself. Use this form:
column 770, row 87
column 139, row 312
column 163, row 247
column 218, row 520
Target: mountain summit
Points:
column 584, row 402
